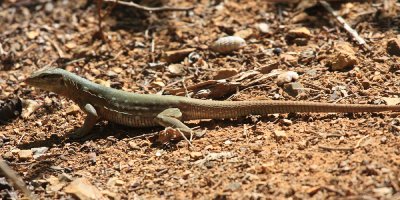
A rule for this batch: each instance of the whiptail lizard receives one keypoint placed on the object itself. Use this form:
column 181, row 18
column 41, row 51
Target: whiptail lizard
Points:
column 141, row 110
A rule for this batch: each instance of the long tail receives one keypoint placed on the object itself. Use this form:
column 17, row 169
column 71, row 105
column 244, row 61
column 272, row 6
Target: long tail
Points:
column 207, row 109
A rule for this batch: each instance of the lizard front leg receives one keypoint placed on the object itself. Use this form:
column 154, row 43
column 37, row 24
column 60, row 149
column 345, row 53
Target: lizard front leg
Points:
column 90, row 121
column 171, row 117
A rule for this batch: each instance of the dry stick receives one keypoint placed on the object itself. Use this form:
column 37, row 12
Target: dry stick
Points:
column 336, row 148
column 333, row 190
column 346, row 26
column 99, row 3
column 144, row 135
column 185, row 138
column 60, row 52
column 2, row 52
column 296, row 1
column 359, row 141
column 13, row 176
column 344, row 148
column 184, row 86
column 150, row 9
column 26, row 51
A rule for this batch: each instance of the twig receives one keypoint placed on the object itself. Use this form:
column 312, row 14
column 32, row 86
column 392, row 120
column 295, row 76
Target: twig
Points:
column 330, row 189
column 144, row 135
column 345, row 25
column 100, row 33
column 359, row 141
column 60, row 52
column 184, row 137
column 26, row 51
column 184, row 86
column 316, row 86
column 150, row 9
column 245, row 133
column 341, row 98
column 179, row 81
column 99, row 3
column 13, row 176
column 344, row 148
column 288, row 154
column 118, row 55
column 153, row 46
column 296, row 1
column 2, row 52
column 20, row 139
column 74, row 61
column 336, row 148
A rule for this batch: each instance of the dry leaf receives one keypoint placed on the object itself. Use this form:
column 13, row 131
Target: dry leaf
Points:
column 177, row 55
column 225, row 73
column 29, row 107
column 176, row 69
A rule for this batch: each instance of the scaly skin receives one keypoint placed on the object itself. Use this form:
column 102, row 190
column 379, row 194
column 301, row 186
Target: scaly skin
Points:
column 139, row 110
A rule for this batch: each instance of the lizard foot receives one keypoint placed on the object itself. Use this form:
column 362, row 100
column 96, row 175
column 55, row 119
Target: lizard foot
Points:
column 173, row 134
column 78, row 134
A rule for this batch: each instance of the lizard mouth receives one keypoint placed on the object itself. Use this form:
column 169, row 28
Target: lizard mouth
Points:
column 31, row 81
column 37, row 83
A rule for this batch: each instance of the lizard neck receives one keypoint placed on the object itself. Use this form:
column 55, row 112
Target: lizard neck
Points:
column 80, row 89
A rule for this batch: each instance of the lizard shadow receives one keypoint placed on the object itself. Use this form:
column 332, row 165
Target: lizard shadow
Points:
column 119, row 132
column 101, row 131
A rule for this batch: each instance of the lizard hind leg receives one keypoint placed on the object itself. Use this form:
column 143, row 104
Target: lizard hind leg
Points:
column 171, row 118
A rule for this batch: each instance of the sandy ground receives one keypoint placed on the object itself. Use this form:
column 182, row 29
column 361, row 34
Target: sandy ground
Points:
column 294, row 156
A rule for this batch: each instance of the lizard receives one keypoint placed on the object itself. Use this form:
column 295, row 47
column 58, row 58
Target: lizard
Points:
column 145, row 110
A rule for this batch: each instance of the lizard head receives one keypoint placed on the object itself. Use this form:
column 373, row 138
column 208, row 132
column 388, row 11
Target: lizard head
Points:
column 50, row 79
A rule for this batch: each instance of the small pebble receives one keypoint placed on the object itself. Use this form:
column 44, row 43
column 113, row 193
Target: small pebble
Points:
column 196, row 155
column 311, row 72
column 72, row 110
column 133, row 145
column 277, row 51
column 233, row 186
column 263, row 27
column 383, row 140
column 287, row 77
column 287, row 122
column 92, row 157
column 228, row 142
column 176, row 69
column 194, row 57
column 280, row 134
column 7, row 155
column 159, row 153
column 393, row 47
column 343, row 57
column 49, row 7
column 294, row 89
column 25, row 154
column 37, row 152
